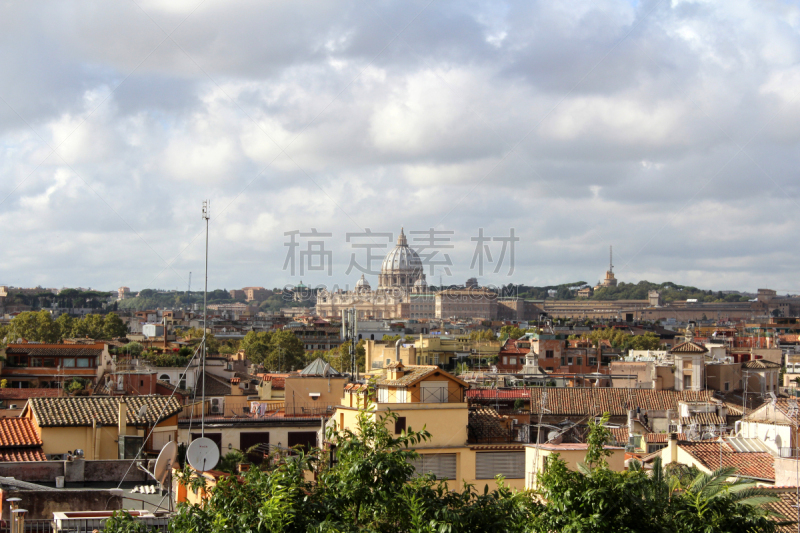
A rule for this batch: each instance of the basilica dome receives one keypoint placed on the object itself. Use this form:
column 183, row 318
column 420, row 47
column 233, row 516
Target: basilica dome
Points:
column 401, row 267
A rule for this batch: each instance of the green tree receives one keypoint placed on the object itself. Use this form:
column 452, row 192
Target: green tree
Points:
column 483, row 335
column 65, row 324
column 286, row 352
column 35, row 326
column 113, row 326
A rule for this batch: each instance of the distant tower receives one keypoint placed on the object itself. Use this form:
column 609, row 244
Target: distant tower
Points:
column 610, row 280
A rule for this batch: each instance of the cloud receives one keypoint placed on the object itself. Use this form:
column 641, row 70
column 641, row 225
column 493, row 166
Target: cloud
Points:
column 669, row 130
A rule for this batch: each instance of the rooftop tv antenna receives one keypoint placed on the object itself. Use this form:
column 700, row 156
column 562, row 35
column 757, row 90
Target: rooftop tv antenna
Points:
column 206, row 216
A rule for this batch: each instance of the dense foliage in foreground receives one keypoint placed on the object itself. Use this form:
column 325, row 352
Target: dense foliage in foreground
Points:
column 372, row 487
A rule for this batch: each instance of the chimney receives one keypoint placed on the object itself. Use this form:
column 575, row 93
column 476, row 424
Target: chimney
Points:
column 397, row 349
column 122, row 419
column 672, row 446
column 630, row 423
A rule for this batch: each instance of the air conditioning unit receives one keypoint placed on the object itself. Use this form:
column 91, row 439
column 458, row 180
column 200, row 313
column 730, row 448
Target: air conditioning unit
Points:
column 12, row 406
column 216, row 406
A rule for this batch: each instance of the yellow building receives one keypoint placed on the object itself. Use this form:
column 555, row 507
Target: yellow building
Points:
column 537, row 456
column 431, row 398
column 94, row 424
column 433, row 350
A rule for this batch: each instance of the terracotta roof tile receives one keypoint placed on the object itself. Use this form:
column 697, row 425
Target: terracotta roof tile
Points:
column 656, row 438
column 689, row 347
column 55, row 349
column 704, row 419
column 18, row 432
column 760, row 364
column 786, row 507
column 616, row 401
column 16, row 455
column 758, row 465
column 502, row 394
column 81, row 410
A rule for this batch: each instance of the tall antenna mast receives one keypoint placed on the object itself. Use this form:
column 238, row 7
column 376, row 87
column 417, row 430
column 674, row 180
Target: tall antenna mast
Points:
column 189, row 288
column 611, row 259
column 206, row 216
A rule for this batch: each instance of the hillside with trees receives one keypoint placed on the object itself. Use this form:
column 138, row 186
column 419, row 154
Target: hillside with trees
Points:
column 623, row 291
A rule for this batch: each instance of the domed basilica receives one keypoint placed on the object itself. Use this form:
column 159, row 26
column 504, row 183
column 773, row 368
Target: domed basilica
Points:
column 401, row 287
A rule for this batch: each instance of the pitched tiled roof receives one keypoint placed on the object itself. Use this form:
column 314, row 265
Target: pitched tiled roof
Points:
column 620, row 435
column 18, row 432
column 278, row 380
column 486, row 425
column 786, row 506
column 16, row 455
column 616, row 401
column 760, row 364
column 44, row 350
column 689, row 347
column 758, row 465
column 81, row 410
column 414, row 373
column 704, row 419
column 502, row 394
column 656, row 438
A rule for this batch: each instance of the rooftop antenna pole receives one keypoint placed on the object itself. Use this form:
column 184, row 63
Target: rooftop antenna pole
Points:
column 206, row 216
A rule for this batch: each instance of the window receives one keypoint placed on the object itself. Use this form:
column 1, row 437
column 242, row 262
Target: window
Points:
column 248, row 440
column 687, row 381
column 400, row 424
column 83, row 362
column 580, row 361
column 505, row 360
column 510, row 465
column 68, row 362
column 49, row 362
column 513, row 360
column 563, row 360
column 727, row 386
column 36, row 361
column 305, row 439
column 569, row 361
column 164, row 377
column 141, row 383
column 442, row 465
column 592, row 361
column 548, row 354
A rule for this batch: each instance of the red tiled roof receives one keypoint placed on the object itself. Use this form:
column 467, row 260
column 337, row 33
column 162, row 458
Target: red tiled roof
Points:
column 24, row 394
column 501, row 394
column 55, row 349
column 18, row 432
column 703, row 419
column 18, row 455
column 758, row 465
column 656, row 438
column 616, row 401
column 689, row 347
column 278, row 380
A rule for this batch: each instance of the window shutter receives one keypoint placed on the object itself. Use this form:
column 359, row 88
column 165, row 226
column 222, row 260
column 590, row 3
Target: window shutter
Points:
column 510, row 465
column 442, row 465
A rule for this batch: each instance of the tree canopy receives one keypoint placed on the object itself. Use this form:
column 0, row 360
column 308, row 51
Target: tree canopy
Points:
column 372, row 487
column 39, row 326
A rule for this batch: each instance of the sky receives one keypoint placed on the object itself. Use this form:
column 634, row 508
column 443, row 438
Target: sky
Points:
column 666, row 129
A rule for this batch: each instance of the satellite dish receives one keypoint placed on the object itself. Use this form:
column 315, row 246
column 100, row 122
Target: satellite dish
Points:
column 552, row 435
column 202, row 454
column 166, row 459
column 142, row 410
